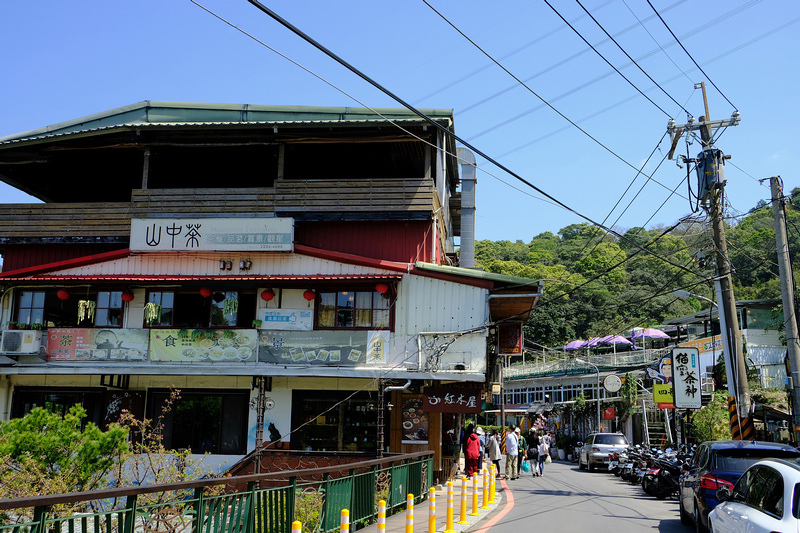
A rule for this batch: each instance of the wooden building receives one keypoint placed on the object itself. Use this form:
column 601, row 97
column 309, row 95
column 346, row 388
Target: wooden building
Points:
column 283, row 263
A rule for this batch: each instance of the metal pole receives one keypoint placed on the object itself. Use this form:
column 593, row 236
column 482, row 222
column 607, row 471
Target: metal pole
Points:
column 787, row 297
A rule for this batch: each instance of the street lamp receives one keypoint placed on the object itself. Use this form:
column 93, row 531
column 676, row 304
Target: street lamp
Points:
column 597, row 370
column 680, row 293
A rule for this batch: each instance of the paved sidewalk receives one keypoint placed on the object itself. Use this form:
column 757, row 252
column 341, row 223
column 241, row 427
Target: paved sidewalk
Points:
column 397, row 522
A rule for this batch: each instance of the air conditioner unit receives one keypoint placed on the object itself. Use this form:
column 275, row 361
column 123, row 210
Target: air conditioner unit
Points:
column 21, row 341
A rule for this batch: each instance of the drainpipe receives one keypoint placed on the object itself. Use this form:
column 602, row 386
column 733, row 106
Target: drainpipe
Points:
column 468, row 181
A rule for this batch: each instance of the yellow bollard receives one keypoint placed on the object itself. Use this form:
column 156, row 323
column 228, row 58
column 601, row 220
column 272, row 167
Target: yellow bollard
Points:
column 485, row 491
column 432, row 510
column 449, row 527
column 462, row 519
column 410, row 513
column 297, row 526
column 494, row 487
column 344, row 521
column 492, row 482
column 475, row 496
column 381, row 516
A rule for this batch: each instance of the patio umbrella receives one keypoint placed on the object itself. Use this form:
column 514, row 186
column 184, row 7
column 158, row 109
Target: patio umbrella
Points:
column 614, row 339
column 575, row 345
column 653, row 333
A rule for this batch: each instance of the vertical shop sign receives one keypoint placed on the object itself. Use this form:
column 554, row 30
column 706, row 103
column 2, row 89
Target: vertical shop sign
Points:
column 686, row 378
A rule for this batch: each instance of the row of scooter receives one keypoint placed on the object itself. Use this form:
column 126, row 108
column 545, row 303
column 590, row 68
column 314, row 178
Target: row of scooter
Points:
column 657, row 471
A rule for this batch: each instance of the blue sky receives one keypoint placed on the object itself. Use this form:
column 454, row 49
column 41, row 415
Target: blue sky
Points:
column 64, row 60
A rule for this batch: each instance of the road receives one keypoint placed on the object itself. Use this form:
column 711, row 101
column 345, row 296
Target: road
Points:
column 568, row 499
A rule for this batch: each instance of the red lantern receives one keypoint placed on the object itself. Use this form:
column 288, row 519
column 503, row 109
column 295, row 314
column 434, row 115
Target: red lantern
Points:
column 205, row 292
column 63, row 294
column 267, row 295
column 381, row 287
column 309, row 295
column 127, row 296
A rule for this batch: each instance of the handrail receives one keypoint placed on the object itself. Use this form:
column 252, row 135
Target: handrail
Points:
column 55, row 499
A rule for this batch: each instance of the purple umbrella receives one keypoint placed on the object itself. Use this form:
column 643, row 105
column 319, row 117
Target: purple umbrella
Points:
column 575, row 345
column 614, row 339
column 592, row 342
column 651, row 333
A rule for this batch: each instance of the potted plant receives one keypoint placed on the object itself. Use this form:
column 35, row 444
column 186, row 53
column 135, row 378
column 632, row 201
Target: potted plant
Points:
column 152, row 313
column 256, row 324
column 11, row 324
column 36, row 325
column 23, row 326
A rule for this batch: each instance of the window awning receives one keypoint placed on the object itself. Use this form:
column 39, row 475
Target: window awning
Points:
column 156, row 278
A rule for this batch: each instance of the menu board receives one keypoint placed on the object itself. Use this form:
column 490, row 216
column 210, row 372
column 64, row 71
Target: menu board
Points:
column 414, row 422
column 94, row 344
column 331, row 348
column 185, row 346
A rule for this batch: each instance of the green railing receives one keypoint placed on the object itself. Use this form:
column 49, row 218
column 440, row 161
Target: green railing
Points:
column 242, row 504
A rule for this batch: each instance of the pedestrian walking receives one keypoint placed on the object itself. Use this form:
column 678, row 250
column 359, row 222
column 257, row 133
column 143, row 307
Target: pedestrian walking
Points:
column 544, row 453
column 472, row 452
column 482, row 437
column 493, row 449
column 523, row 447
column 512, row 452
column 533, row 452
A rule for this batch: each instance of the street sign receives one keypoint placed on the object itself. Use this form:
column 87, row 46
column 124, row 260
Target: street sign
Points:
column 686, row 378
column 612, row 383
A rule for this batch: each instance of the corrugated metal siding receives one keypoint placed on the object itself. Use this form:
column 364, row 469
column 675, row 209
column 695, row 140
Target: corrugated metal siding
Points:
column 403, row 241
column 427, row 304
column 208, row 265
column 16, row 256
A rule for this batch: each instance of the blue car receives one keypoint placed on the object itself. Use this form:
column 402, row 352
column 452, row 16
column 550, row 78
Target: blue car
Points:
column 716, row 464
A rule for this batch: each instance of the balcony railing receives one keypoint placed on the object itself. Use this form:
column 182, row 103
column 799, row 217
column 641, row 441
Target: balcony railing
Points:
column 568, row 365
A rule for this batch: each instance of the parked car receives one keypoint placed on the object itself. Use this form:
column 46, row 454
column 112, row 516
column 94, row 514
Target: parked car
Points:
column 719, row 464
column 597, row 447
column 765, row 499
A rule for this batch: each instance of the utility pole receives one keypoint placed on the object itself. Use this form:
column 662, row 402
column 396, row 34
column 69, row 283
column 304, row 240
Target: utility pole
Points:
column 711, row 183
column 787, row 296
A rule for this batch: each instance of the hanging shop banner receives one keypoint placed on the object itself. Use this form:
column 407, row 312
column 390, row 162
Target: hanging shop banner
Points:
column 452, row 400
column 662, row 372
column 326, row 348
column 212, row 234
column 377, row 344
column 509, row 338
column 94, row 344
column 662, row 395
column 287, row 319
column 415, row 422
column 609, row 413
column 686, row 377
column 203, row 346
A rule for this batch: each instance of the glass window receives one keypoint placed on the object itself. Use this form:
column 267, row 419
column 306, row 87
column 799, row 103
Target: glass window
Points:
column 351, row 425
column 108, row 313
column 353, row 310
column 765, row 490
column 190, row 310
column 224, row 308
column 204, row 421
column 59, row 401
column 159, row 309
column 30, row 309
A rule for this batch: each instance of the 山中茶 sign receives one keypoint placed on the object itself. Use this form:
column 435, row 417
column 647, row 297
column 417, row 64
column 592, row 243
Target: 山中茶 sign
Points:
column 212, row 234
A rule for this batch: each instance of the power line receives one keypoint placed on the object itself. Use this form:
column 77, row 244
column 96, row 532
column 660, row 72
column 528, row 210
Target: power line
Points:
column 631, row 59
column 436, row 124
column 690, row 55
column 596, row 51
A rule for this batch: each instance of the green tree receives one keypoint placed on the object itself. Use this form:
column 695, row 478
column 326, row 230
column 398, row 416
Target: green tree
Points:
column 44, row 452
column 712, row 421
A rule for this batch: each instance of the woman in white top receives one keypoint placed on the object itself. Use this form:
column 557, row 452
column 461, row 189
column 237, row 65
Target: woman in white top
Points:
column 544, row 452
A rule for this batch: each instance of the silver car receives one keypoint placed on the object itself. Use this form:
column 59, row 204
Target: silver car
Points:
column 597, row 447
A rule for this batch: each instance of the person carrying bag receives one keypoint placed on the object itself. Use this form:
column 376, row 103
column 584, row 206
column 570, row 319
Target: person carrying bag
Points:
column 544, row 455
column 532, row 453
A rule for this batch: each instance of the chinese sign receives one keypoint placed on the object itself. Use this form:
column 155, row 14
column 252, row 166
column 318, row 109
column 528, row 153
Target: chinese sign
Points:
column 287, row 319
column 328, row 348
column 452, row 400
column 194, row 345
column 211, row 234
column 377, row 343
column 662, row 395
column 510, row 338
column 85, row 344
column 686, row 378
column 415, row 422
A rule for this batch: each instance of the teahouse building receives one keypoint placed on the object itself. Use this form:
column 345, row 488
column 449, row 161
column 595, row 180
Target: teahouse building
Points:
column 278, row 266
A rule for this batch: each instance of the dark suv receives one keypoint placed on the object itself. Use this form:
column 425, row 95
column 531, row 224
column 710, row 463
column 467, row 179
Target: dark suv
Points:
column 716, row 464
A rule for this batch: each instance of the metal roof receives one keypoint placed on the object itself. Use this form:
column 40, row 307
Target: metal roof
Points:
column 149, row 114
column 702, row 316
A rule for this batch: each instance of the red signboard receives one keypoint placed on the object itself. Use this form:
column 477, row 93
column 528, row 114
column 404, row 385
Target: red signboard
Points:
column 509, row 335
column 451, row 400
column 666, row 406
column 609, row 413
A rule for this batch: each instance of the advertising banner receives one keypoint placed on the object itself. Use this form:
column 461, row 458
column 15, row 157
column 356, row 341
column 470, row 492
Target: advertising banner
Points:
column 415, row 422
column 662, row 395
column 287, row 319
column 686, row 377
column 94, row 344
column 190, row 346
column 212, row 234
column 329, row 348
column 509, row 336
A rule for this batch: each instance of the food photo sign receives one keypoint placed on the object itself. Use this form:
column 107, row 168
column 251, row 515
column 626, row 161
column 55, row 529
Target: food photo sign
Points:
column 92, row 344
column 214, row 346
column 414, row 422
